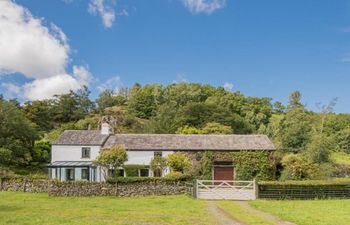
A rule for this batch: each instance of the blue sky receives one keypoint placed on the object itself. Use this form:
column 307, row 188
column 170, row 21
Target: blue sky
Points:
column 263, row 48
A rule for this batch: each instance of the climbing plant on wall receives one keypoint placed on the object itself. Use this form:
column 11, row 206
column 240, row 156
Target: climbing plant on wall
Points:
column 252, row 165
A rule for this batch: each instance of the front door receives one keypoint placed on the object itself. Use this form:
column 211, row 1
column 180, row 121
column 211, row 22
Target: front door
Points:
column 223, row 172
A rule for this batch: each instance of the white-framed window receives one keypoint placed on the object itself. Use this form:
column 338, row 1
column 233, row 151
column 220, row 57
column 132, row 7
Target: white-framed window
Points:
column 85, row 152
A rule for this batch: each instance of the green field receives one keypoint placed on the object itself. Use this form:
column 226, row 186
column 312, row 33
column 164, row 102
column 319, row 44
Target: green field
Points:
column 341, row 158
column 28, row 208
column 318, row 212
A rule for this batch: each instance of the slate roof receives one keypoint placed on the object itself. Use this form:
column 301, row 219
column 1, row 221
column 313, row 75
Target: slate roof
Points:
column 81, row 137
column 190, row 142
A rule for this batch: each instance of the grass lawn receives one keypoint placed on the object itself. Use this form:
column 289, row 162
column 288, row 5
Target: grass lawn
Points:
column 341, row 158
column 320, row 212
column 29, row 208
column 242, row 214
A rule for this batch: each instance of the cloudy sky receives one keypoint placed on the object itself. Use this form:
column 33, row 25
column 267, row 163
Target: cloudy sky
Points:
column 261, row 48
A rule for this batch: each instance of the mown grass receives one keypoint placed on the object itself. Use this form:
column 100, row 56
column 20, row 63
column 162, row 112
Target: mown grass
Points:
column 320, row 212
column 30, row 208
column 242, row 214
column 341, row 158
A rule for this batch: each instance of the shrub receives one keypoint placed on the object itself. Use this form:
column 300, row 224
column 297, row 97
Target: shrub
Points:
column 113, row 180
column 297, row 167
column 158, row 164
column 178, row 162
column 174, row 174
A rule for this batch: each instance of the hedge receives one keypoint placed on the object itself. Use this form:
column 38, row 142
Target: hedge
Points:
column 308, row 189
column 113, row 180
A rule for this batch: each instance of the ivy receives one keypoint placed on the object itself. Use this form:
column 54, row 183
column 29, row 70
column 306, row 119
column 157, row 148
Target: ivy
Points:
column 252, row 165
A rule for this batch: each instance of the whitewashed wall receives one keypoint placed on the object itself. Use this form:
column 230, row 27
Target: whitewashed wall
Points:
column 72, row 153
column 143, row 157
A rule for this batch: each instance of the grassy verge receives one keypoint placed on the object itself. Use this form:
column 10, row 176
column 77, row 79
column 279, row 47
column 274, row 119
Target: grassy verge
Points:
column 341, row 158
column 242, row 214
column 30, row 208
column 320, row 212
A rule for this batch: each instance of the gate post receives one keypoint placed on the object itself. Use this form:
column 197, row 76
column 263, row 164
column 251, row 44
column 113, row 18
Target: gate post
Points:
column 195, row 189
column 256, row 189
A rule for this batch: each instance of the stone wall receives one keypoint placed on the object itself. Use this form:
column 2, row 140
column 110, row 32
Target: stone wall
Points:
column 24, row 185
column 81, row 188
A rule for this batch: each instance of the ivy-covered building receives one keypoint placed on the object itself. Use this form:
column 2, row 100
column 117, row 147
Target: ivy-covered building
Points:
column 74, row 152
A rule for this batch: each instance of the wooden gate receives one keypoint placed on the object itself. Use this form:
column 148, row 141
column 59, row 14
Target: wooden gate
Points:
column 224, row 189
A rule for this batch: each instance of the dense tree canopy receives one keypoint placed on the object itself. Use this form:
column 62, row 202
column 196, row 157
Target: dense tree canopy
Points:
column 186, row 108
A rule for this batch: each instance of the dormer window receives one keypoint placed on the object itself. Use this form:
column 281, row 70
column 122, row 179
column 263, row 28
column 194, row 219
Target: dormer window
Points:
column 85, row 153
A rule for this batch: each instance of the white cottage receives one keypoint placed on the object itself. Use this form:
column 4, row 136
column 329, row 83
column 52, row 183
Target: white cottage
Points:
column 74, row 151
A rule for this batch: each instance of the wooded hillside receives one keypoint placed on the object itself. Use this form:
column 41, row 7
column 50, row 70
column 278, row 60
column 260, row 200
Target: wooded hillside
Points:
column 305, row 139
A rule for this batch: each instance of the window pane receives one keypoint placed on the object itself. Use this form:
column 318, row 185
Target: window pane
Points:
column 144, row 173
column 84, row 174
column 85, row 152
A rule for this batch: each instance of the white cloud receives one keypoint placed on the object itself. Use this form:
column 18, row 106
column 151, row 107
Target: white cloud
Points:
column 48, row 87
column 82, row 74
column 113, row 84
column 204, row 6
column 28, row 47
column 228, row 86
column 104, row 9
column 41, row 54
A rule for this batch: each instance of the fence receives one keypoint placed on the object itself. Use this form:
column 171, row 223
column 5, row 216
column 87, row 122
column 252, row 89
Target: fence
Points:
column 317, row 191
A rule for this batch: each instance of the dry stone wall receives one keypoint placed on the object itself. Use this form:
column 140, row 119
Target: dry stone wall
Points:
column 80, row 188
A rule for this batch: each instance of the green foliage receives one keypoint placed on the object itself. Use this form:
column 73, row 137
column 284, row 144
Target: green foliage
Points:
column 131, row 172
column 343, row 140
column 158, row 164
column 114, row 157
column 41, row 113
column 72, row 106
column 298, row 167
column 178, row 162
column 216, row 128
column 318, row 150
column 174, row 174
column 17, row 134
column 108, row 98
column 205, row 165
column 188, row 130
column 114, row 180
column 144, row 101
column 42, row 152
column 252, row 165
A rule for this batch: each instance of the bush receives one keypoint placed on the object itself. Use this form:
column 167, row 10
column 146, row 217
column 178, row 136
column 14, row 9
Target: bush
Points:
column 178, row 162
column 308, row 182
column 174, row 174
column 113, row 180
column 297, row 167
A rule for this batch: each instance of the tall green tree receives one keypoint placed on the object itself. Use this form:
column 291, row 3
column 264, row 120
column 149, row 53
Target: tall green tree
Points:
column 144, row 101
column 17, row 134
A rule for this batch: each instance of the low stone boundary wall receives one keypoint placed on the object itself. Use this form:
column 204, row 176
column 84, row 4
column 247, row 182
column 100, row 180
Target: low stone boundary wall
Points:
column 24, row 185
column 81, row 188
column 319, row 191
